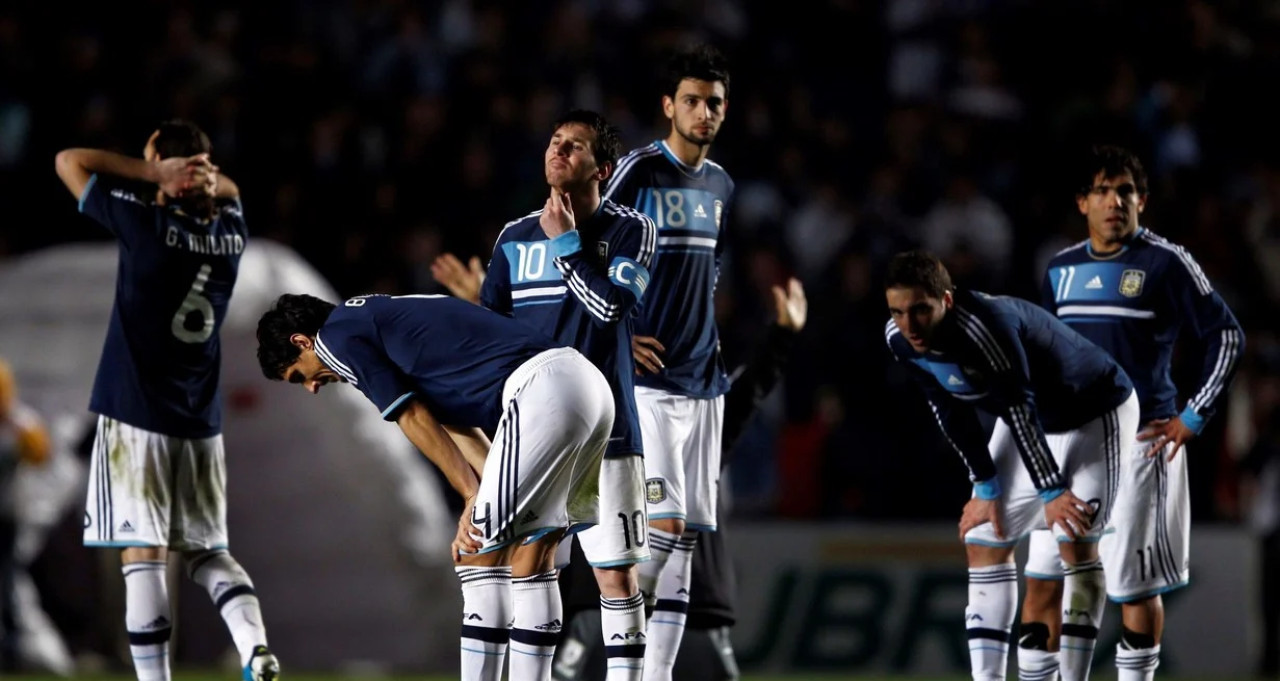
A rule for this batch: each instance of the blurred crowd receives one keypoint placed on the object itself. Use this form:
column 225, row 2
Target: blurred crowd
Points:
column 374, row 135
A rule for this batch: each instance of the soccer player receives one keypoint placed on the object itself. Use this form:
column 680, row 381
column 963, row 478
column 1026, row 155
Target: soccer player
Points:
column 1064, row 408
column 1132, row 293
column 681, row 384
column 23, row 440
column 157, row 473
column 444, row 370
column 575, row 270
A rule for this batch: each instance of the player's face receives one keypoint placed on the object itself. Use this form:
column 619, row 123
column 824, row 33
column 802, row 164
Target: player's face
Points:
column 916, row 314
column 1112, row 207
column 308, row 371
column 697, row 110
column 570, row 160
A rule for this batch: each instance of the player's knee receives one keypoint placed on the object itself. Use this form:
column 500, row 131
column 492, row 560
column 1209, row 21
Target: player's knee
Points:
column 981, row 555
column 1075, row 553
column 138, row 554
column 617, row 582
column 1033, row 636
column 670, row 525
column 217, row 560
column 1042, row 594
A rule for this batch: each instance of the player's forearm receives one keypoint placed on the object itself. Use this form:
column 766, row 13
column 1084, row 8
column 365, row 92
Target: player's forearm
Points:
column 227, row 189
column 100, row 161
column 426, row 433
column 473, row 444
column 1222, row 359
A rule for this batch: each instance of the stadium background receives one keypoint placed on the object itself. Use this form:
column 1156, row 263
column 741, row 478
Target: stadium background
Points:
column 370, row 136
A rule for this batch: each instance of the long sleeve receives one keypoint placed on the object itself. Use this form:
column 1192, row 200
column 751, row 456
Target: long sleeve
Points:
column 609, row 293
column 495, row 292
column 751, row 383
column 1215, row 327
column 1006, row 363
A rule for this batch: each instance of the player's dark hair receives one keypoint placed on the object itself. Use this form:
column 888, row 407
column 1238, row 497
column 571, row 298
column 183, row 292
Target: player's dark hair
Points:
column 292, row 313
column 917, row 269
column 702, row 62
column 1111, row 161
column 180, row 137
column 608, row 143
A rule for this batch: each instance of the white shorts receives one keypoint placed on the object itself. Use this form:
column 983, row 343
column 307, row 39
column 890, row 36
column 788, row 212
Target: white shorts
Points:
column 148, row 489
column 1145, row 551
column 1089, row 459
column 621, row 538
column 681, row 455
column 543, row 468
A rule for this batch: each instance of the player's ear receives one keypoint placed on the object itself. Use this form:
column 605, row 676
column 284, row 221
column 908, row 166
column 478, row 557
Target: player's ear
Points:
column 1142, row 202
column 947, row 300
column 300, row 341
column 604, row 172
column 668, row 106
column 1082, row 203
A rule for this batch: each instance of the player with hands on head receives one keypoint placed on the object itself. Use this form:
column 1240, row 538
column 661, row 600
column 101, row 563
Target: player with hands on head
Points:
column 158, row 471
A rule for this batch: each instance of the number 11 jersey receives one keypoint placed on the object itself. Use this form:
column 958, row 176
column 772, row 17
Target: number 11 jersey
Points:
column 161, row 358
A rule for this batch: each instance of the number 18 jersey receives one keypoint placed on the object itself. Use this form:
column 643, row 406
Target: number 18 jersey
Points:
column 161, row 358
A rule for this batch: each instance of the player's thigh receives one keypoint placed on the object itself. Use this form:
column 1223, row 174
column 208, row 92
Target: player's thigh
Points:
column 199, row 495
column 1147, row 549
column 1091, row 458
column 702, row 464
column 621, row 536
column 1019, row 503
column 550, row 430
column 666, row 421
column 1043, row 559
column 129, row 500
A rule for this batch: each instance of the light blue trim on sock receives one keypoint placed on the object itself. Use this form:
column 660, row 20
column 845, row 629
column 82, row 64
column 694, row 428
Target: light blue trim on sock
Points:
column 1042, row 576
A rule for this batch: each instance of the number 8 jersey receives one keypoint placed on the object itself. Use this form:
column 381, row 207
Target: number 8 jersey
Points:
column 161, row 358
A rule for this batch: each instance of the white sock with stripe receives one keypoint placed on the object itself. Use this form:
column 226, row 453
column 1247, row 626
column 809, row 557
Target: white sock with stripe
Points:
column 622, row 625
column 1136, row 665
column 666, row 626
column 232, row 592
column 536, row 627
column 486, row 621
column 661, row 544
column 147, row 618
column 993, row 600
column 1083, row 597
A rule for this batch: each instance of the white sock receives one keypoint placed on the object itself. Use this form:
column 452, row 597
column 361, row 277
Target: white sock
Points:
column 1037, row 665
column 1083, row 597
column 147, row 618
column 622, row 625
column 1136, row 665
column 232, row 592
column 536, row 627
column 661, row 544
column 993, row 599
column 666, row 626
column 486, row 621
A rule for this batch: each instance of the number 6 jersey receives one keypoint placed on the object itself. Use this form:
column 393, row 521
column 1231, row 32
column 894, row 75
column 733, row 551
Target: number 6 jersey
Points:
column 161, row 358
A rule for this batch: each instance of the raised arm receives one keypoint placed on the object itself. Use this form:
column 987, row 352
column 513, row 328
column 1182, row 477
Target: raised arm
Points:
column 173, row 175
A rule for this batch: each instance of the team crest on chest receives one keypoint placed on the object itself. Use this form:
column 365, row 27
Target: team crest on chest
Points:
column 655, row 491
column 1131, row 283
column 719, row 205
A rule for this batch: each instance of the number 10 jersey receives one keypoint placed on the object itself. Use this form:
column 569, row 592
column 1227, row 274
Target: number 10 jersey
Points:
column 161, row 357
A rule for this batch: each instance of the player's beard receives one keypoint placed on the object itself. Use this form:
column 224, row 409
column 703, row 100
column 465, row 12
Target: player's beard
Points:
column 692, row 138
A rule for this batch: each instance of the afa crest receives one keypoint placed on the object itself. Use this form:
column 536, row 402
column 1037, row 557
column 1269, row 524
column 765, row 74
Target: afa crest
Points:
column 1131, row 283
column 655, row 491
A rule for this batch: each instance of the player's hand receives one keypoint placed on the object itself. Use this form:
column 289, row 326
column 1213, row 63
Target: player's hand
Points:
column 1165, row 432
column 557, row 215
column 466, row 541
column 179, row 176
column 462, row 281
column 790, row 305
column 1069, row 512
column 645, row 349
column 978, row 511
